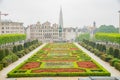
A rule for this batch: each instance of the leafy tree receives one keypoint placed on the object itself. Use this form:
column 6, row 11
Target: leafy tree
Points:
column 85, row 36
column 107, row 29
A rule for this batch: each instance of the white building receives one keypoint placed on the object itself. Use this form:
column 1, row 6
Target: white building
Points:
column 43, row 32
column 9, row 27
column 50, row 33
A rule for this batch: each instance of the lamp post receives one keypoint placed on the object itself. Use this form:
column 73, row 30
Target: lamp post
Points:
column 119, row 21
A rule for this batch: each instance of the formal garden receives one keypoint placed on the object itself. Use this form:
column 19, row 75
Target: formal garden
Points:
column 59, row 59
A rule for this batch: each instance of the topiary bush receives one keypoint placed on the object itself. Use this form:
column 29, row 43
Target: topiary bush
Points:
column 1, row 66
column 15, row 49
column 110, row 51
column 117, row 65
column 116, row 53
column 113, row 61
column 2, row 54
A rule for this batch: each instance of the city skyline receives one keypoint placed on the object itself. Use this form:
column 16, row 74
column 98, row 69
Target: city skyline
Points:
column 77, row 13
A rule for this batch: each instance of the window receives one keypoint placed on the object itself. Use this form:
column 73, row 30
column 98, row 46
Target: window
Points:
column 2, row 31
column 2, row 27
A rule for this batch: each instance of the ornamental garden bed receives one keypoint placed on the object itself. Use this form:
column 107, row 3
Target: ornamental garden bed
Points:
column 59, row 59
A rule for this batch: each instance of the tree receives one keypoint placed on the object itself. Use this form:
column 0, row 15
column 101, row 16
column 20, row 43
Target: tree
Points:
column 85, row 36
column 107, row 29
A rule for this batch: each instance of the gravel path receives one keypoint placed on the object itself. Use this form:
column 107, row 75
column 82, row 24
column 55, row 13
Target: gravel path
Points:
column 106, row 65
column 4, row 72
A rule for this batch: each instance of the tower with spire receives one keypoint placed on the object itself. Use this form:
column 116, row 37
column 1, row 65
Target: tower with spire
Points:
column 60, row 25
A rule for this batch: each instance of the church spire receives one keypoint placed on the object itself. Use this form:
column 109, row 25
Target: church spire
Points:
column 60, row 23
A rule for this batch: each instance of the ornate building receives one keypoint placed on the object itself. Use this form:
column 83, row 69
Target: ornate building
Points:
column 50, row 33
column 43, row 32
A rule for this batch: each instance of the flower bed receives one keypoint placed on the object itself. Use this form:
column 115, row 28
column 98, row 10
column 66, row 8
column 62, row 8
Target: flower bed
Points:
column 58, row 70
column 30, row 65
column 87, row 64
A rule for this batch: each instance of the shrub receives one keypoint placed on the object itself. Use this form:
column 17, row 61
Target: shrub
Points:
column 1, row 66
column 9, row 59
column 15, row 49
column 96, row 51
column 20, row 54
column 20, row 47
column 2, row 54
column 113, row 61
column 7, row 52
column 106, row 58
column 117, row 65
column 110, row 51
column 26, row 51
column 103, row 48
column 116, row 53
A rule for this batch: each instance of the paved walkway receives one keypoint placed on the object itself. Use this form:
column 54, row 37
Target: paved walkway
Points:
column 4, row 72
column 106, row 65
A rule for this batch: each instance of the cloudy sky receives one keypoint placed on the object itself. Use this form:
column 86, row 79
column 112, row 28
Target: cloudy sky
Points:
column 76, row 13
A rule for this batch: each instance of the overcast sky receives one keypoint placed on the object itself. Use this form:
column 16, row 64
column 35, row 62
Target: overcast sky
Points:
column 76, row 13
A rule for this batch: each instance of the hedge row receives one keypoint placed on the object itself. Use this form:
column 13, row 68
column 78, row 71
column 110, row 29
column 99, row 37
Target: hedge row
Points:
column 112, row 37
column 8, row 38
column 47, row 74
column 102, row 48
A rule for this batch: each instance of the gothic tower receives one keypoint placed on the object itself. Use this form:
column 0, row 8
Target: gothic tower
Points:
column 60, row 24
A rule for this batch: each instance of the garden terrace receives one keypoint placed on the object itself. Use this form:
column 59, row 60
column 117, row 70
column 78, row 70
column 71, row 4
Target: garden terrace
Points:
column 59, row 59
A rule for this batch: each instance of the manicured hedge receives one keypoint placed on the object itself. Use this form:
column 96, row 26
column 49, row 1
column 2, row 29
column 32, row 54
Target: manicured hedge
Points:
column 112, row 37
column 63, row 74
column 8, row 38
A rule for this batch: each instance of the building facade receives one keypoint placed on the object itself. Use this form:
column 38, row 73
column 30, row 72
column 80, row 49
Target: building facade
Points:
column 50, row 33
column 9, row 27
column 43, row 32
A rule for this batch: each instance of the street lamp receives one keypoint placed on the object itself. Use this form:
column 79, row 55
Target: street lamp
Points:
column 119, row 20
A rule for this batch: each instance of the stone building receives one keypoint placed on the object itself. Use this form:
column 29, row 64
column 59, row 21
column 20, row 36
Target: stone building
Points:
column 9, row 27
